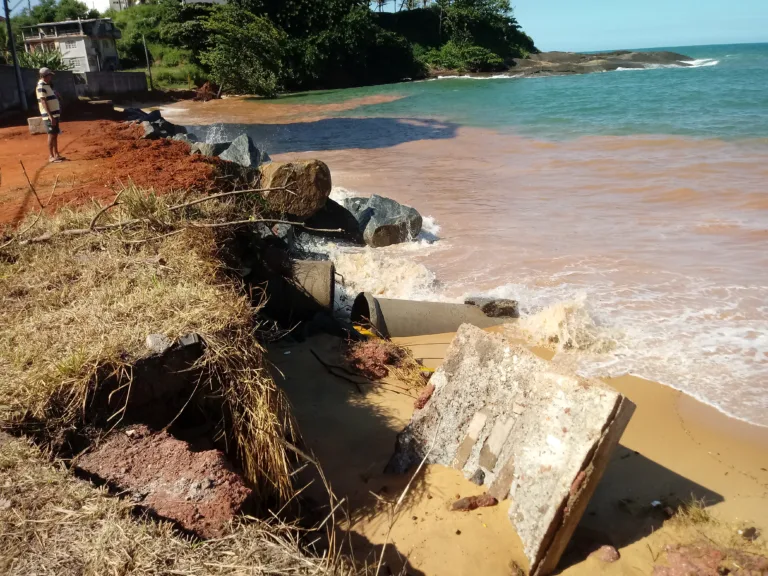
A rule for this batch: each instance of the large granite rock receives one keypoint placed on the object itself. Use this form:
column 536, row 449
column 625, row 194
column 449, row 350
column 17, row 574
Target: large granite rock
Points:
column 333, row 216
column 559, row 63
column 541, row 437
column 309, row 182
column 242, row 151
column 383, row 221
column 161, row 128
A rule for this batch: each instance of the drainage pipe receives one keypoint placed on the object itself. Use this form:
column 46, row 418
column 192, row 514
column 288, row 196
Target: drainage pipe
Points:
column 398, row 318
column 316, row 281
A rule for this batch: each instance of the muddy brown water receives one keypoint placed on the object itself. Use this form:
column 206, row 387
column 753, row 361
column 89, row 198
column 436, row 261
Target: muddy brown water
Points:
column 648, row 251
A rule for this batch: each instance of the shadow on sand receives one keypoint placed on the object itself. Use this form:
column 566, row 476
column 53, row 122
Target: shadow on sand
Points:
column 629, row 504
column 330, row 133
column 350, row 425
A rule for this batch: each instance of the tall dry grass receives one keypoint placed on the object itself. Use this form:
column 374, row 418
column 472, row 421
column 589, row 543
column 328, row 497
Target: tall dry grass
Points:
column 77, row 306
column 53, row 523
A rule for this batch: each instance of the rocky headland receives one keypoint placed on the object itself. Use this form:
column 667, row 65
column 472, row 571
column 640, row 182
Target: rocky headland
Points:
column 568, row 63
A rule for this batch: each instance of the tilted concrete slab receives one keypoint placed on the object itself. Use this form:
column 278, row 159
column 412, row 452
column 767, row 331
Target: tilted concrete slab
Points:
column 542, row 436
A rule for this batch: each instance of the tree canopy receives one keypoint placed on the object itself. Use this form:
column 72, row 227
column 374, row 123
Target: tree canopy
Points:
column 266, row 46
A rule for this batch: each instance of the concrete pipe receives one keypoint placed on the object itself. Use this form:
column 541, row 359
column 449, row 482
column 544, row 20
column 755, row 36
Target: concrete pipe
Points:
column 398, row 318
column 315, row 280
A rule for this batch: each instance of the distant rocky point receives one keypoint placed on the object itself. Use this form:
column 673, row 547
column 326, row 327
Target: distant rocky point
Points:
column 559, row 63
column 566, row 63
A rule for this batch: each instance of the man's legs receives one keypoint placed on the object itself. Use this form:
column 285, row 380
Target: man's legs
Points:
column 55, row 144
column 52, row 146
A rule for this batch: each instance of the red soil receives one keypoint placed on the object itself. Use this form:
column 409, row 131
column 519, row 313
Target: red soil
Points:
column 198, row 490
column 102, row 155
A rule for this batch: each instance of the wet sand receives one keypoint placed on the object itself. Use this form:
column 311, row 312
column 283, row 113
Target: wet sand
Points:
column 675, row 448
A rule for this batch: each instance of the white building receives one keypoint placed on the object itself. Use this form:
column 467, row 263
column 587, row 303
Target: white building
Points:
column 86, row 45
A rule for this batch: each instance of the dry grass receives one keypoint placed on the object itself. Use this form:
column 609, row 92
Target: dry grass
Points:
column 73, row 308
column 697, row 538
column 52, row 523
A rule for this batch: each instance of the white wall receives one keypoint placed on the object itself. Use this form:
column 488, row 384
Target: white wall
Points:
column 74, row 48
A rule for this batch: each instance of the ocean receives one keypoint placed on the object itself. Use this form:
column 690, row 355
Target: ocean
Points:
column 627, row 211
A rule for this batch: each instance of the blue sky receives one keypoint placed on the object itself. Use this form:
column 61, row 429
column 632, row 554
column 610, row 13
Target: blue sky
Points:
column 607, row 24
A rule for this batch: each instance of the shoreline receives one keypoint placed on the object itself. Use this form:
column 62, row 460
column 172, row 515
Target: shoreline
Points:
column 674, row 450
column 354, row 172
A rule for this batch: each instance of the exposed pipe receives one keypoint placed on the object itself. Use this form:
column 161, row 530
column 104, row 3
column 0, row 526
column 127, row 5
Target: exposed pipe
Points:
column 399, row 318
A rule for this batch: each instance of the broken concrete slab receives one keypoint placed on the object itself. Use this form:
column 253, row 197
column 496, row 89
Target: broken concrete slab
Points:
column 196, row 489
column 541, row 436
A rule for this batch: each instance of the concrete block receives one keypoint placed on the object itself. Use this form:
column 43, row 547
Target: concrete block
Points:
column 541, row 436
column 36, row 125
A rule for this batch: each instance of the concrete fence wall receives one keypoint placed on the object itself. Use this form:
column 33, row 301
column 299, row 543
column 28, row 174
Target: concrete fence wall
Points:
column 69, row 85
column 99, row 84
column 64, row 84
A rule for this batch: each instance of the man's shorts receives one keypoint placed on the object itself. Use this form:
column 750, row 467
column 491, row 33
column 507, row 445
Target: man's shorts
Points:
column 50, row 128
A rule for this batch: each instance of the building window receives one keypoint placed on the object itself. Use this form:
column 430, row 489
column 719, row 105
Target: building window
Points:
column 70, row 45
column 76, row 63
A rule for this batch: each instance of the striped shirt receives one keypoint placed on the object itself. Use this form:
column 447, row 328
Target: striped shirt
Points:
column 45, row 92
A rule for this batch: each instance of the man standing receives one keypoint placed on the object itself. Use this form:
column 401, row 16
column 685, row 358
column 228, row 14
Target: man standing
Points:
column 50, row 110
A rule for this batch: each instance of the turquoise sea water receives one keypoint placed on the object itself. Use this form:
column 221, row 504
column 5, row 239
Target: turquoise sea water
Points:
column 724, row 96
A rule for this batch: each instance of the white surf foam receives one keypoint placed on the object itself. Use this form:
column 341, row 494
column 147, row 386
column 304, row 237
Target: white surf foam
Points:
column 468, row 77
column 701, row 63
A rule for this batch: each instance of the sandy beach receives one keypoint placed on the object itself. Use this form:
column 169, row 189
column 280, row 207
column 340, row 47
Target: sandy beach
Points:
column 675, row 449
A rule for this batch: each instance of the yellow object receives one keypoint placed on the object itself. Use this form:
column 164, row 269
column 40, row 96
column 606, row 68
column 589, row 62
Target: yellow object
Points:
column 364, row 331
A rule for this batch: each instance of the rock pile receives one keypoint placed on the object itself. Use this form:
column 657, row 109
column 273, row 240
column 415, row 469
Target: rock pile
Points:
column 241, row 150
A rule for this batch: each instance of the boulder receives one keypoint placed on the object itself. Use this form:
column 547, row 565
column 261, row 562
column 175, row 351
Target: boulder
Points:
column 495, row 307
column 196, row 489
column 541, row 436
column 383, row 221
column 309, row 182
column 333, row 216
column 161, row 128
column 209, row 149
column 242, row 151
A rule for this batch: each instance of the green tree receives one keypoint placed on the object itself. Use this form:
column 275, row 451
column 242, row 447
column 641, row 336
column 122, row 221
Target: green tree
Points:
column 72, row 10
column 245, row 53
column 43, row 58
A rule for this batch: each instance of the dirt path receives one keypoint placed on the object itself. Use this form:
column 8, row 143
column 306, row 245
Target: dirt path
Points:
column 102, row 155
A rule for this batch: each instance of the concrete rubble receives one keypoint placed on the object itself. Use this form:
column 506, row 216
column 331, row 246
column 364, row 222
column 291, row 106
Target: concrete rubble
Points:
column 541, row 437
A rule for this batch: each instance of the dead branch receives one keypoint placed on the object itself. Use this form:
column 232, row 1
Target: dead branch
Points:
column 115, row 202
column 53, row 190
column 225, row 194
column 267, row 221
column 81, row 231
column 31, row 187
column 329, row 368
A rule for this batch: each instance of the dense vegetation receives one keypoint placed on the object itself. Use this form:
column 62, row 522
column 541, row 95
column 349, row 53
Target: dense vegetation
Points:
column 267, row 46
